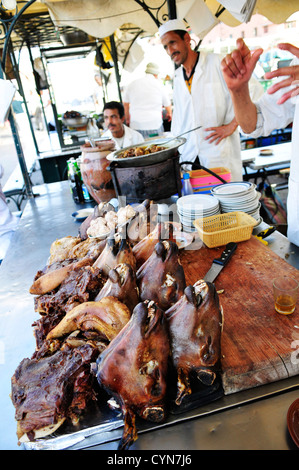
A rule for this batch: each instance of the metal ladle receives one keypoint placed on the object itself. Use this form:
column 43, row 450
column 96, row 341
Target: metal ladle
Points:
column 184, row 133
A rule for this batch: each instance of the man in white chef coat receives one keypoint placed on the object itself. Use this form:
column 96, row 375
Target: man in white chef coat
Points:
column 201, row 98
column 275, row 109
column 123, row 136
column 144, row 100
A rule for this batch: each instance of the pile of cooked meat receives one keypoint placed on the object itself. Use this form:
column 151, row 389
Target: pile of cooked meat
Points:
column 140, row 151
column 115, row 315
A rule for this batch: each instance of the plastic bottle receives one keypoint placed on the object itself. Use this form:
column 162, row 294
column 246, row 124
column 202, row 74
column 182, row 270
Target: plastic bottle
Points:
column 187, row 187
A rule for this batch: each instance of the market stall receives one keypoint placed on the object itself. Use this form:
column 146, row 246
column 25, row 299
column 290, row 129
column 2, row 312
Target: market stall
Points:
column 232, row 401
column 260, row 369
column 113, row 25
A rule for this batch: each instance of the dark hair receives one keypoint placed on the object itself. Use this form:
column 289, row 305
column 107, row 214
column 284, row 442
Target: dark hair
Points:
column 180, row 32
column 115, row 105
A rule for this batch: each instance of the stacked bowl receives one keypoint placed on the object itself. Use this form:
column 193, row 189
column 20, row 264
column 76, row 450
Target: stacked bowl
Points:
column 194, row 206
column 239, row 196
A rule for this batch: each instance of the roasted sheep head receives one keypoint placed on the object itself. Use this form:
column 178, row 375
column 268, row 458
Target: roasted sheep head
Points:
column 105, row 317
column 116, row 251
column 161, row 278
column 195, row 325
column 134, row 367
column 145, row 247
column 122, row 284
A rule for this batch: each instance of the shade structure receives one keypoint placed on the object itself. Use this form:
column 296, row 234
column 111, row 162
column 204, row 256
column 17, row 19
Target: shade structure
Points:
column 101, row 18
column 43, row 21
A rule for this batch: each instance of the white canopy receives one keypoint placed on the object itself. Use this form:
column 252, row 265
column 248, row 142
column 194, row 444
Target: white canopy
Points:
column 101, row 18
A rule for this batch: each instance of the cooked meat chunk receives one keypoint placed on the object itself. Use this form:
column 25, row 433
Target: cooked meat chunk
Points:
column 46, row 391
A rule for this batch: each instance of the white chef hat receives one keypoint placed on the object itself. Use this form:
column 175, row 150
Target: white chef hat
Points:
column 152, row 68
column 172, row 25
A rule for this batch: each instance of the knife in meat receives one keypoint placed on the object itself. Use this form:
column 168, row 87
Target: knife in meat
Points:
column 219, row 263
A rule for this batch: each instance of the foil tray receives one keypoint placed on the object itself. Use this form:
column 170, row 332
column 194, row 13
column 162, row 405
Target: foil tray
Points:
column 103, row 425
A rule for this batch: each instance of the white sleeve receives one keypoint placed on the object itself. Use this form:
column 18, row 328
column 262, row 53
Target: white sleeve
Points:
column 271, row 116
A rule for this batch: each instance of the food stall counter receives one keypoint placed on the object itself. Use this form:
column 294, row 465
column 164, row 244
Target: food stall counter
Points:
column 249, row 419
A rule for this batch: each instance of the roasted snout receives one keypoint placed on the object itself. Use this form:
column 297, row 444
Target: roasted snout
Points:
column 133, row 368
column 122, row 284
column 161, row 278
column 195, row 326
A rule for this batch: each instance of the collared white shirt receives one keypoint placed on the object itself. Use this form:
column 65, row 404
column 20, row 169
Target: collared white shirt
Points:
column 131, row 137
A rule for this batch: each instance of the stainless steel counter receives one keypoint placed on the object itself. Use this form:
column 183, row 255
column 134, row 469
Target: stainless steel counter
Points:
column 253, row 419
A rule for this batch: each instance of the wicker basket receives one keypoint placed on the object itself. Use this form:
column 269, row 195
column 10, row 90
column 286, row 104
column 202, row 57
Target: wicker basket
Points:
column 221, row 229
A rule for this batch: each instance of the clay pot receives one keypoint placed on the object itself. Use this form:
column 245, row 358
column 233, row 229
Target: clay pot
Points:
column 94, row 171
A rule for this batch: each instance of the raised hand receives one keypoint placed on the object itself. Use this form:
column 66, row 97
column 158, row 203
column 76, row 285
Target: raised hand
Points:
column 291, row 73
column 238, row 66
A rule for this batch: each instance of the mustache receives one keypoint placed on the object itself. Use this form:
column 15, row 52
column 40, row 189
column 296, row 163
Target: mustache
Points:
column 174, row 54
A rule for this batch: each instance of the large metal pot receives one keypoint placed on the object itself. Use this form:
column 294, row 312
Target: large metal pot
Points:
column 171, row 144
column 155, row 182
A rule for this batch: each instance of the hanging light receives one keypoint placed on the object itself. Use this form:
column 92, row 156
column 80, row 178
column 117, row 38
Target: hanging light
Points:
column 9, row 4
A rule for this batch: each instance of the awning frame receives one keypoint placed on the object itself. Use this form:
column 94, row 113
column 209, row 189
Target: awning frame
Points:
column 12, row 21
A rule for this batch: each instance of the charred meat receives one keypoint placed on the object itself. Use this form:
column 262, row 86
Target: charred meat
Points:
column 133, row 368
column 116, row 251
column 145, row 247
column 161, row 278
column 195, row 325
column 81, row 285
column 122, row 284
column 47, row 391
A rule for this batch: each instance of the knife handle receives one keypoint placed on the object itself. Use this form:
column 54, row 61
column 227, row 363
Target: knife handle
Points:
column 226, row 254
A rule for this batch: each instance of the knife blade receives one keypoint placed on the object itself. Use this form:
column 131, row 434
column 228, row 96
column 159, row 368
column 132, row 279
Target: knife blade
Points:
column 219, row 263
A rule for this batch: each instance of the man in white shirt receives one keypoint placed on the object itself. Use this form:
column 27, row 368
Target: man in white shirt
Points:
column 123, row 136
column 144, row 100
column 201, row 98
column 275, row 109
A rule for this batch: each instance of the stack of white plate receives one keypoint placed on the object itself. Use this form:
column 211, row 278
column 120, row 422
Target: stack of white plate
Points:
column 239, row 196
column 194, row 206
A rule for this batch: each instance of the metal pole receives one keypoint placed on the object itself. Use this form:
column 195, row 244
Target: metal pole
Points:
column 20, row 154
column 38, row 91
column 172, row 14
column 22, row 93
column 11, row 27
column 115, row 61
column 19, row 149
